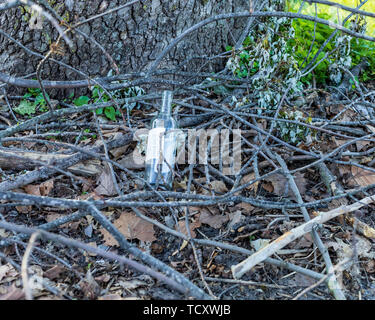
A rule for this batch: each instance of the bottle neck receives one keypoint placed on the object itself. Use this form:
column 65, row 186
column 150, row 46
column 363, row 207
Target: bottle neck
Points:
column 166, row 106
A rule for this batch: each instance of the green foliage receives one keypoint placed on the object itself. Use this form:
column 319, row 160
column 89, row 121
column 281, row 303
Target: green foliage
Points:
column 364, row 49
column 25, row 107
column 33, row 101
column 99, row 95
column 303, row 41
column 82, row 100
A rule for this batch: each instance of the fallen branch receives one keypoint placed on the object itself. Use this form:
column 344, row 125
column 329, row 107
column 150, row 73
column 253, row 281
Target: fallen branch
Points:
column 24, row 160
column 240, row 269
column 109, row 255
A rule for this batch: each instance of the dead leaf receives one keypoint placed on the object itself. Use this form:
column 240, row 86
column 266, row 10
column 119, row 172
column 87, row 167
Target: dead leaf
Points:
column 13, row 294
column 192, row 225
column 134, row 160
column 33, row 190
column 247, row 179
column 92, row 244
column 361, row 144
column 216, row 186
column 235, row 217
column 23, row 209
column 4, row 233
column 362, row 227
column 363, row 177
column 370, row 266
column 214, row 221
column 54, row 272
column 132, row 227
column 304, row 242
column 105, row 182
column 363, row 249
column 132, row 284
column 281, row 185
column 42, row 189
column 246, row 207
column 46, row 187
column 260, row 244
column 103, row 278
column 89, row 286
column 118, row 152
column 4, row 269
column 268, row 186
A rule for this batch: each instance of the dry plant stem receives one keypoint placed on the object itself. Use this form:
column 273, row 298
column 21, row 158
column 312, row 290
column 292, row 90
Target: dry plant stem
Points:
column 333, row 284
column 24, row 266
column 247, row 283
column 109, row 255
column 239, row 269
column 190, row 239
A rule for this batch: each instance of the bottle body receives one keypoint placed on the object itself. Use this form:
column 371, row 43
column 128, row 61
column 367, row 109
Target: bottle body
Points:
column 161, row 146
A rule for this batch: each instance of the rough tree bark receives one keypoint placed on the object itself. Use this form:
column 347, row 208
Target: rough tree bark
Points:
column 133, row 36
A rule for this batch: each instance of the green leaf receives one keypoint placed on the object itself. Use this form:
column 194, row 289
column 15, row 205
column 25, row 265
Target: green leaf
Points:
column 25, row 107
column 110, row 113
column 99, row 111
column 82, row 100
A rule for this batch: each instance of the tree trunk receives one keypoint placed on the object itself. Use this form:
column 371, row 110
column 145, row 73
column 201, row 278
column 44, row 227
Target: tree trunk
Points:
column 133, row 36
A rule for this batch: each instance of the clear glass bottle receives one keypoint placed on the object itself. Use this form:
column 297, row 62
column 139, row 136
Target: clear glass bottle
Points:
column 161, row 146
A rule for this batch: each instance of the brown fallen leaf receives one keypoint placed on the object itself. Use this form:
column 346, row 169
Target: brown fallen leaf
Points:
column 235, row 217
column 245, row 207
column 42, row 189
column 370, row 266
column 105, row 182
column 216, row 186
column 132, row 227
column 103, row 278
column 23, row 209
column 214, row 221
column 89, row 286
column 134, row 160
column 13, row 294
column 363, row 177
column 132, row 284
column 46, row 187
column 32, row 189
column 118, row 152
column 192, row 226
column 281, row 185
column 246, row 179
column 4, row 269
column 54, row 272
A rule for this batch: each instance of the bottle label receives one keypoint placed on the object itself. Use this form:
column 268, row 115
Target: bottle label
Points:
column 169, row 152
column 155, row 144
